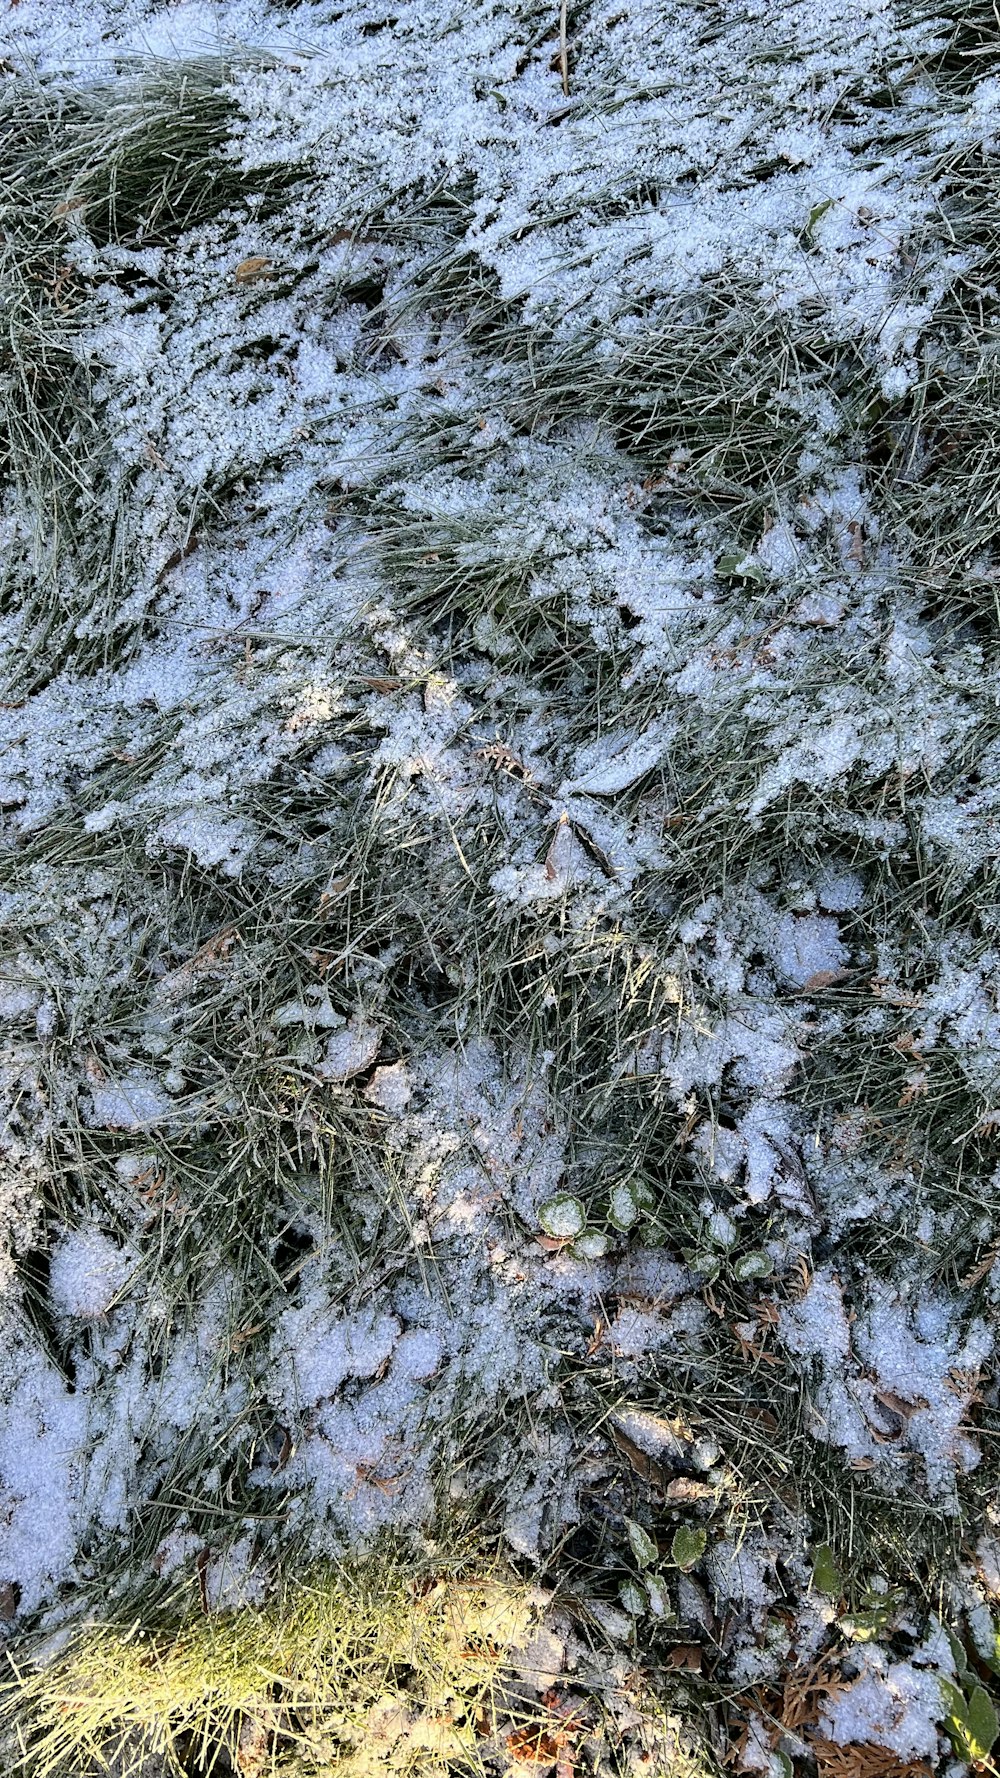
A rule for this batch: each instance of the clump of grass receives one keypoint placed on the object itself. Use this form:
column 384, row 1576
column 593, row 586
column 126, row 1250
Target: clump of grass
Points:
column 133, row 161
column 307, row 1676
column 713, row 394
column 413, row 1662
column 146, row 156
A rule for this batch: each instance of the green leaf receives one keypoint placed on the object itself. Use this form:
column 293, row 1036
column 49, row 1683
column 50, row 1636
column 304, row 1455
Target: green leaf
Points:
column 706, row 1265
column 564, row 1217
column 864, row 1626
column 957, row 1654
column 788, row 1770
column 818, row 211
column 954, row 1702
column 981, row 1724
column 659, row 1597
column 754, row 1265
column 688, row 1545
column 590, row 1245
column 739, row 567
column 644, row 1549
column 623, row 1210
column 633, row 1597
column 826, row 1574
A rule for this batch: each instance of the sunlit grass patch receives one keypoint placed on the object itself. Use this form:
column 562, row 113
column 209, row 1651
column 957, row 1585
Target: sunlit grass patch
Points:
column 327, row 1662
column 389, row 1664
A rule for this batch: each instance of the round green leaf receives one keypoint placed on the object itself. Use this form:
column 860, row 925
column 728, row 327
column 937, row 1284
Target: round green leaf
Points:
column 688, row 1545
column 707, row 1265
column 754, row 1265
column 590, row 1245
column 623, row 1211
column 633, row 1597
column 564, row 1217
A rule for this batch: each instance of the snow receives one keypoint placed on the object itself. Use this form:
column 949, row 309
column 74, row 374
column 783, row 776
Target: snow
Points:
column 352, row 1050
column 86, row 1272
column 891, row 1703
column 316, row 1351
column 42, row 1438
column 452, row 687
column 389, row 1088
column 900, row 1375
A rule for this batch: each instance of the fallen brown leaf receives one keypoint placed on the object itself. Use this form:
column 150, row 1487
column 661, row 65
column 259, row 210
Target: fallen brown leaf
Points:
column 67, row 207
column 686, row 1489
column 176, row 557
column 644, row 1466
column 898, row 1404
column 856, row 1759
column 686, row 1656
column 823, row 978
column 980, row 1269
column 250, row 271
column 763, row 1416
column 532, row 1746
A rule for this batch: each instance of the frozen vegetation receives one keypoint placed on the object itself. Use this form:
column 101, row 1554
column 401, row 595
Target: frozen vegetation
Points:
column 499, row 822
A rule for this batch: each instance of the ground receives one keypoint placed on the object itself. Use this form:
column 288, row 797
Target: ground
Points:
column 499, row 821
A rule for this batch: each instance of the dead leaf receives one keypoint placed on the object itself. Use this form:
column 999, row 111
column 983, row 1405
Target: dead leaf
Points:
column 552, row 855
column 176, row 557
column 763, row 1416
column 980, row 1269
column 67, row 207
column 856, row 547
column 823, row 978
column 644, row 1466
column 533, row 1746
column 856, row 1759
column 498, row 754
column 686, row 1656
column 253, row 1752
column 659, row 1435
column 898, row 1404
column 250, row 271
column 894, row 996
column 687, row 1489
column 916, row 1087
column 10, row 1599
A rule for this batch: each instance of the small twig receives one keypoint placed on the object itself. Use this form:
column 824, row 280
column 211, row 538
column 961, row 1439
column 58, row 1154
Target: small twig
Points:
column 563, row 51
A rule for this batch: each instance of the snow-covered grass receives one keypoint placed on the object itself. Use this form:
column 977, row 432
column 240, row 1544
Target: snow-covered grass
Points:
column 134, row 161
column 498, row 807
